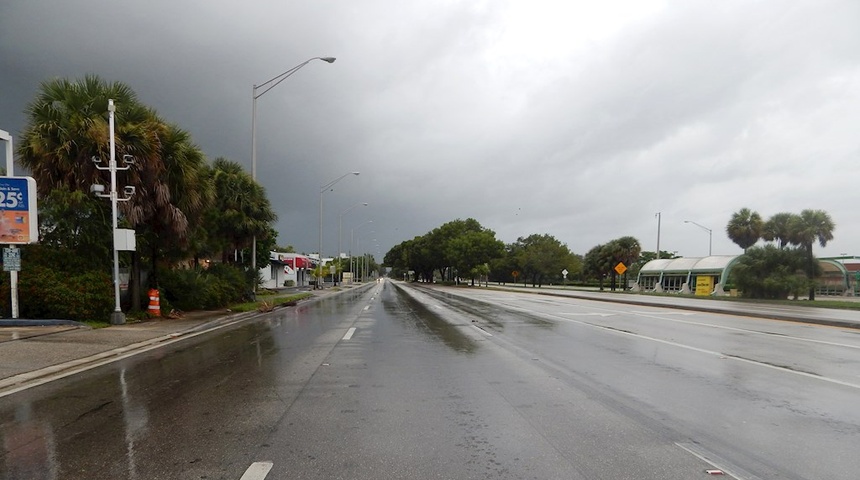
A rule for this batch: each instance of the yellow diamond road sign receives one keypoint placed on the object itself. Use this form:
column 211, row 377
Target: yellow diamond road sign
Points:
column 620, row 268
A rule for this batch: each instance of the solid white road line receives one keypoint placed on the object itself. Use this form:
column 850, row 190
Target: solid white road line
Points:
column 349, row 333
column 711, row 352
column 257, row 471
column 482, row 330
column 721, row 464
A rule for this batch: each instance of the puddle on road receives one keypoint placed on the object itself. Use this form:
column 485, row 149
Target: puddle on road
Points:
column 403, row 306
column 497, row 317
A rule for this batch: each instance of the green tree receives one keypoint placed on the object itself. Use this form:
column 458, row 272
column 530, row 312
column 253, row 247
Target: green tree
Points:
column 68, row 126
column 169, row 203
column 809, row 227
column 78, row 225
column 770, row 272
column 502, row 268
column 472, row 249
column 745, row 228
column 543, row 257
column 397, row 259
column 601, row 260
column 240, row 212
column 440, row 245
column 597, row 263
column 625, row 250
column 778, row 228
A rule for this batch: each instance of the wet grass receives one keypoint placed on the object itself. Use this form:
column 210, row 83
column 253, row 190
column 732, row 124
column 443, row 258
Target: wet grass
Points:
column 272, row 300
column 94, row 324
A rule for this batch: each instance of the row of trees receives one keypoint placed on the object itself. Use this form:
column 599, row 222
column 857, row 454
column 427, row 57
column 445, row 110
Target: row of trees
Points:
column 183, row 207
column 770, row 271
column 464, row 248
column 601, row 260
column 469, row 250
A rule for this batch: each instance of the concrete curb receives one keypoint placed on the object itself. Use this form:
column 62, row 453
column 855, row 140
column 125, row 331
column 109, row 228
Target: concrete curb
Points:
column 17, row 322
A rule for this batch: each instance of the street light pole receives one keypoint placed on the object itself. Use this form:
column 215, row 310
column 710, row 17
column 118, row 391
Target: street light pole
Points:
column 322, row 190
column 710, row 235
column 340, row 229
column 358, row 248
column 351, row 240
column 254, row 96
column 658, row 215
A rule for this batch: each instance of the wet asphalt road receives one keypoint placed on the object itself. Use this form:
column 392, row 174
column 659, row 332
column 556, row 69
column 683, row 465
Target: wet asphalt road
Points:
column 436, row 385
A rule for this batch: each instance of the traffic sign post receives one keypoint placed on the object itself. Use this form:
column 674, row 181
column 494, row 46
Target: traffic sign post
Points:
column 11, row 259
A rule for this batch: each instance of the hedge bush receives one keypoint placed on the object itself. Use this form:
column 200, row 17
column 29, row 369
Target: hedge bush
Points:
column 48, row 293
column 203, row 289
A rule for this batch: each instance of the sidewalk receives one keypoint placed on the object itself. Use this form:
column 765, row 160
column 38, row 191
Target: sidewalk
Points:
column 33, row 355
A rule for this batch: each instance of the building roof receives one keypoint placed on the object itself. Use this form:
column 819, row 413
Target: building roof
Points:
column 714, row 263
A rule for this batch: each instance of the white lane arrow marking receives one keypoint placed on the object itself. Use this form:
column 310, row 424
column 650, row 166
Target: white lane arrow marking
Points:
column 257, row 471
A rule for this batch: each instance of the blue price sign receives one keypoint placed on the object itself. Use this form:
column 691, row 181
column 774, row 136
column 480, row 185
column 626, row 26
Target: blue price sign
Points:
column 18, row 220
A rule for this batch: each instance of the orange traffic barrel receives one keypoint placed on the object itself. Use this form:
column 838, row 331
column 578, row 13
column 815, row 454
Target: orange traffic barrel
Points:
column 154, row 309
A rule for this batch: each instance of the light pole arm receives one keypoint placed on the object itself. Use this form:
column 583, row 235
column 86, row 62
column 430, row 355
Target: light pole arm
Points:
column 710, row 235
column 322, row 190
column 283, row 76
column 331, row 183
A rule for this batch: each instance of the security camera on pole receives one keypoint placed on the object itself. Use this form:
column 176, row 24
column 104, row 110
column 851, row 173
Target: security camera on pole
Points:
column 123, row 239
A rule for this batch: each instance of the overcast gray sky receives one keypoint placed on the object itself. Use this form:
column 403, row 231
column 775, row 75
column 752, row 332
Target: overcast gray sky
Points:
column 580, row 119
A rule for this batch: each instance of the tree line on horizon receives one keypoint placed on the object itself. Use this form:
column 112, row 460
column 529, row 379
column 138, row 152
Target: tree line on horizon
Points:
column 464, row 249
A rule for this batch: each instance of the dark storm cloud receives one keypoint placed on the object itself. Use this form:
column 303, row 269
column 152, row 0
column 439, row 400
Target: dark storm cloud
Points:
column 579, row 120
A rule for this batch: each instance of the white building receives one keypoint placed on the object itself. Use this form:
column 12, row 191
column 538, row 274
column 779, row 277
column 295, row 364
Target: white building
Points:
column 288, row 269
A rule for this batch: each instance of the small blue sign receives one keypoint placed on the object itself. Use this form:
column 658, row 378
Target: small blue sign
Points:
column 13, row 193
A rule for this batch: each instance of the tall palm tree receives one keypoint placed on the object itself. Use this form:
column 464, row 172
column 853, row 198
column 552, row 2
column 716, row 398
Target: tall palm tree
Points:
column 241, row 211
column 778, row 228
column 171, row 196
column 807, row 228
column 745, row 228
column 68, row 126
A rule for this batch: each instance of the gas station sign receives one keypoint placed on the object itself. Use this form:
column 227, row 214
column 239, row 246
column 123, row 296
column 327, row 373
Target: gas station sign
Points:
column 18, row 218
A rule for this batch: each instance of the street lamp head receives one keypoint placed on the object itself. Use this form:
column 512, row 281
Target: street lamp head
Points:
column 365, row 204
column 356, row 173
column 328, row 59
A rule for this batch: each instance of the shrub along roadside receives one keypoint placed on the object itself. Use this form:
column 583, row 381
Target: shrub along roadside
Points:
column 203, row 289
column 48, row 293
